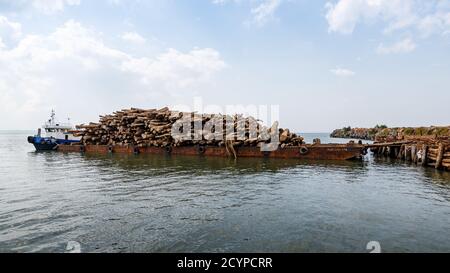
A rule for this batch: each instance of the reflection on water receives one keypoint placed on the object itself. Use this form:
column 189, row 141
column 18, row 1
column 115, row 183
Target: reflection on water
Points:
column 145, row 203
column 209, row 165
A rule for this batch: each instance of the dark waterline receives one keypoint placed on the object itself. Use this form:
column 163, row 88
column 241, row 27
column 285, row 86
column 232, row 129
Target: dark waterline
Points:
column 191, row 204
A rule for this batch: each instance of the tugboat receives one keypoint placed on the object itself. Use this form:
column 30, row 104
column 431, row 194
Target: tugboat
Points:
column 55, row 134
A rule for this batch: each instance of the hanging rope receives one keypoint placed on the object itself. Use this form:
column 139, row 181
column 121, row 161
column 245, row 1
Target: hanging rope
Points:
column 226, row 148
column 229, row 146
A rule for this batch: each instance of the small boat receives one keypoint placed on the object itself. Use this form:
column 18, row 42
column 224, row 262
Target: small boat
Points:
column 55, row 134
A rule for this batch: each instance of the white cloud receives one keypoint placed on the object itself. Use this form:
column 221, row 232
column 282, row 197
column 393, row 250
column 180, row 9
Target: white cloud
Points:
column 175, row 68
column 265, row 11
column 404, row 46
column 262, row 11
column 438, row 23
column 342, row 72
column 9, row 31
column 344, row 15
column 425, row 17
column 52, row 6
column 44, row 6
column 133, row 37
column 72, row 66
column 219, row 2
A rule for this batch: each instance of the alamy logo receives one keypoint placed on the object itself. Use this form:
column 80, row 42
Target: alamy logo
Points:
column 228, row 126
column 374, row 247
column 73, row 247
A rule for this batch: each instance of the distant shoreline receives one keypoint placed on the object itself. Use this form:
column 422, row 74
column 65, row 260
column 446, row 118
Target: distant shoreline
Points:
column 383, row 132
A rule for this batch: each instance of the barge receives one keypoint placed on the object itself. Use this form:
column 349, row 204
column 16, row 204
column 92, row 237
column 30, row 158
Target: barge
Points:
column 350, row 151
column 165, row 132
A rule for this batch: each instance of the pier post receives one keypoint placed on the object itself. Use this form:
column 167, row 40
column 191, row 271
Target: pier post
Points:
column 425, row 155
column 440, row 156
column 408, row 153
column 400, row 153
column 391, row 152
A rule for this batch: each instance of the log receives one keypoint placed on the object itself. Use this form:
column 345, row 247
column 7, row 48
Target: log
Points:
column 392, row 153
column 425, row 155
column 401, row 152
column 408, row 153
column 153, row 128
column 396, row 152
column 440, row 156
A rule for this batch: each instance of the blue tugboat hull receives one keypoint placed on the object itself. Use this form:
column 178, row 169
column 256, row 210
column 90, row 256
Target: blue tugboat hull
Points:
column 48, row 144
column 45, row 147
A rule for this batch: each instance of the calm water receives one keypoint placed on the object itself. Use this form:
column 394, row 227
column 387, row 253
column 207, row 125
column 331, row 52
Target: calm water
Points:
column 186, row 204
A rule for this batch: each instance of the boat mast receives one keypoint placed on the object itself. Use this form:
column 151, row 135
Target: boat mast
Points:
column 52, row 121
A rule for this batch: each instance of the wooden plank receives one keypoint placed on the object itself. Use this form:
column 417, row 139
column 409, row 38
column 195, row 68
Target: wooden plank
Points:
column 386, row 144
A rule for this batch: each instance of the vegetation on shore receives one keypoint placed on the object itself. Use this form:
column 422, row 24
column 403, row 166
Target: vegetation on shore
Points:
column 382, row 131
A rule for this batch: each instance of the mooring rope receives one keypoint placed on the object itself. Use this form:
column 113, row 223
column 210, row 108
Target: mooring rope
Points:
column 226, row 148
column 229, row 145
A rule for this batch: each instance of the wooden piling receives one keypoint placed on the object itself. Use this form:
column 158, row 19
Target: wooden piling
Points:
column 396, row 150
column 392, row 152
column 424, row 155
column 440, row 156
column 408, row 153
column 425, row 152
column 401, row 152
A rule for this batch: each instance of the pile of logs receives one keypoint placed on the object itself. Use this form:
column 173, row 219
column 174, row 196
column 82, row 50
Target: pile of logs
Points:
column 144, row 128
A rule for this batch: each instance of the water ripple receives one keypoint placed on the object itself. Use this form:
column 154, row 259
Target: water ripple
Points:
column 120, row 203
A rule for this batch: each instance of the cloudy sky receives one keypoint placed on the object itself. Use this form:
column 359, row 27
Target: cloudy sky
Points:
column 327, row 64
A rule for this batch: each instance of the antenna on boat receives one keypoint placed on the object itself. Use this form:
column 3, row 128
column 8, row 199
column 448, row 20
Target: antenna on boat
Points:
column 52, row 116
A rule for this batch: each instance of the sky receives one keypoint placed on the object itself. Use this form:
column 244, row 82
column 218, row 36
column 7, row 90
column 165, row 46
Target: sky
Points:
column 325, row 64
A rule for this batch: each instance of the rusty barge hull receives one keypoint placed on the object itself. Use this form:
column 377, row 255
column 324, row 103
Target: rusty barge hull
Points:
column 312, row 152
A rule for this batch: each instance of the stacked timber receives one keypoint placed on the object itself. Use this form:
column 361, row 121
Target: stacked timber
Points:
column 155, row 127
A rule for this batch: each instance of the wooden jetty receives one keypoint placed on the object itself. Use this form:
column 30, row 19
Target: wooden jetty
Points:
column 426, row 152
